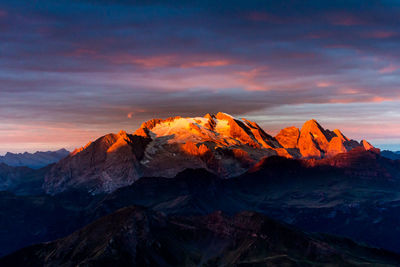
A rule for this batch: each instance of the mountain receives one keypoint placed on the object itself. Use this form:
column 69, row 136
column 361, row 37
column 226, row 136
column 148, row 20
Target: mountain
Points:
column 391, row 154
column 135, row 236
column 313, row 178
column 220, row 143
column 22, row 180
column 110, row 162
column 33, row 160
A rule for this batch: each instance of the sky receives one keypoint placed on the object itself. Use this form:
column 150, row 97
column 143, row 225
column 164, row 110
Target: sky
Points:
column 72, row 71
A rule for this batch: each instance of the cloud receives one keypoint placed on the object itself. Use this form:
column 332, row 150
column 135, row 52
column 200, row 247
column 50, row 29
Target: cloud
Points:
column 381, row 34
column 102, row 66
column 346, row 19
column 388, row 69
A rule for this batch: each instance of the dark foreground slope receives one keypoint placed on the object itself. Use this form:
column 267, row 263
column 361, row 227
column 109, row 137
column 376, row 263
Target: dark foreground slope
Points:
column 26, row 220
column 136, row 236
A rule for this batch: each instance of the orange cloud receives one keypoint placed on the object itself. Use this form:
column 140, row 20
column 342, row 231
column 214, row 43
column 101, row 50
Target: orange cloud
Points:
column 209, row 63
column 148, row 62
column 381, row 99
column 45, row 137
column 134, row 112
column 358, row 99
column 168, row 61
column 349, row 91
column 324, row 84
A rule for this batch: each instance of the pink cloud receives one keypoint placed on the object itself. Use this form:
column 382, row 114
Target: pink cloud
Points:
column 45, row 137
column 349, row 91
column 3, row 13
column 345, row 19
column 377, row 99
column 250, row 79
column 206, row 63
column 388, row 69
column 323, row 84
column 360, row 99
column 147, row 62
column 380, row 34
column 168, row 61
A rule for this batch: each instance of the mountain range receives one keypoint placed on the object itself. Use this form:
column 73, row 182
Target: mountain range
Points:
column 219, row 143
column 159, row 194
column 391, row 154
column 35, row 160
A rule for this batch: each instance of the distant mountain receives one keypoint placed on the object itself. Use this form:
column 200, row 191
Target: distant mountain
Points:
column 33, row 160
column 220, row 143
column 135, row 236
column 391, row 154
column 22, row 180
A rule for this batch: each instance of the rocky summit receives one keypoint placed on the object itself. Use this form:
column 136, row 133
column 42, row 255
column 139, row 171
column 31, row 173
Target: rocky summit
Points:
column 220, row 143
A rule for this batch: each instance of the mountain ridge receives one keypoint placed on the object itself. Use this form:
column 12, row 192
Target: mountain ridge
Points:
column 35, row 160
column 220, row 143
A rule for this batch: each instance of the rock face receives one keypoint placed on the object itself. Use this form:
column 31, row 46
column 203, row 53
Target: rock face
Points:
column 33, row 160
column 219, row 143
column 289, row 137
column 313, row 141
column 104, row 165
column 134, row 236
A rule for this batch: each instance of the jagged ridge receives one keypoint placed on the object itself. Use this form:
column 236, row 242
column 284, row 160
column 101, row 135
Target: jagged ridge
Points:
column 220, row 143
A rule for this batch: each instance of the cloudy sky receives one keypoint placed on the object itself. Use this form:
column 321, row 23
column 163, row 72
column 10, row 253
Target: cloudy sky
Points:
column 71, row 71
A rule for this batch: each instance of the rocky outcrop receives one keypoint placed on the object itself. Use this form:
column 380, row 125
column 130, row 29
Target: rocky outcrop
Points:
column 368, row 146
column 313, row 141
column 104, row 165
column 289, row 137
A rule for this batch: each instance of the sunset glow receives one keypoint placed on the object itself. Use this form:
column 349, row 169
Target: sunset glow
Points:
column 73, row 72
